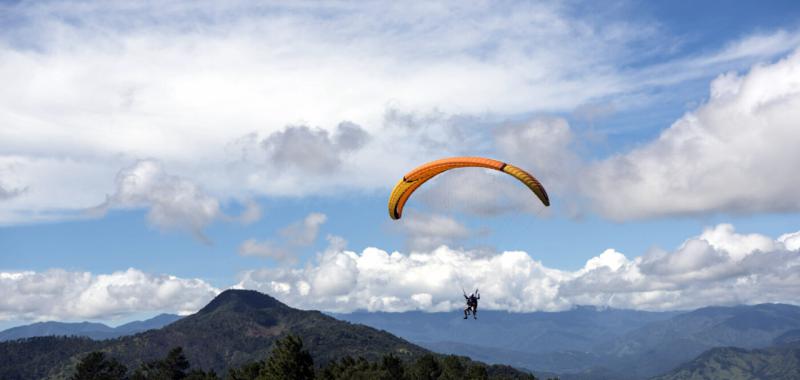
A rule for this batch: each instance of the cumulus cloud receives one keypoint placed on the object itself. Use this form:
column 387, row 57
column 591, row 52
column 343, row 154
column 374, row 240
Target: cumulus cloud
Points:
column 305, row 232
column 314, row 150
column 58, row 294
column 8, row 193
column 181, row 81
column 737, row 153
column 294, row 236
column 172, row 201
column 717, row 267
column 428, row 231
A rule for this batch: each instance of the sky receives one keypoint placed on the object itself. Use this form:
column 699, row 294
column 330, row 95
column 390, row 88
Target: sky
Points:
column 153, row 154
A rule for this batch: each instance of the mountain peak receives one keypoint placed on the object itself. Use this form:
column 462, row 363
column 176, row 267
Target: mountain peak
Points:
column 239, row 299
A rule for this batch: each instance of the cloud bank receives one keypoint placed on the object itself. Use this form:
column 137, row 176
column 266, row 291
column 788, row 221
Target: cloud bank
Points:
column 62, row 295
column 717, row 267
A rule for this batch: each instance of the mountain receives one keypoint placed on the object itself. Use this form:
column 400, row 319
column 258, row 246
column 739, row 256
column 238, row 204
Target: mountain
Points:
column 593, row 343
column 237, row 327
column 156, row 322
column 560, row 342
column 661, row 346
column 730, row 363
column 86, row 329
column 578, row 329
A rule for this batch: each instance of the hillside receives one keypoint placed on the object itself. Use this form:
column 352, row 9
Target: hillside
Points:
column 728, row 363
column 239, row 326
column 591, row 343
column 661, row 346
column 235, row 328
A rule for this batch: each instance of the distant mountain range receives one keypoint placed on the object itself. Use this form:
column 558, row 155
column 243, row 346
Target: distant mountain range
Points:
column 592, row 343
column 585, row 343
column 86, row 329
column 781, row 361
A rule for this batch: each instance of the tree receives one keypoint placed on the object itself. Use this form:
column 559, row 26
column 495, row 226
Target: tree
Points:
column 197, row 374
column 288, row 361
column 172, row 367
column 477, row 372
column 452, row 369
column 248, row 371
column 426, row 368
column 393, row 366
column 95, row 366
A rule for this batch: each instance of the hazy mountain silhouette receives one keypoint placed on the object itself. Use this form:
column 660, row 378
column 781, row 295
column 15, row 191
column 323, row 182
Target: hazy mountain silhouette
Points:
column 661, row 346
column 86, row 329
column 578, row 329
column 592, row 343
column 240, row 326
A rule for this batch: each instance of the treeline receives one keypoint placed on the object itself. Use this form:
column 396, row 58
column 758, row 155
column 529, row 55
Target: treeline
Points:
column 289, row 360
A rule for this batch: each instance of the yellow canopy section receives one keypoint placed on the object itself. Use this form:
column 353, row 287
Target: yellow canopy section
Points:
column 415, row 178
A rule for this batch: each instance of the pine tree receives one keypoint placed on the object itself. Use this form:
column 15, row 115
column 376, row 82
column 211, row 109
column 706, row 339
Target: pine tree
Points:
column 288, row 361
column 172, row 367
column 477, row 372
column 248, row 371
column 452, row 369
column 95, row 366
column 393, row 366
column 426, row 368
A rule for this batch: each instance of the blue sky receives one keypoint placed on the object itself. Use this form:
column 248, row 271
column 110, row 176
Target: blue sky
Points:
column 152, row 156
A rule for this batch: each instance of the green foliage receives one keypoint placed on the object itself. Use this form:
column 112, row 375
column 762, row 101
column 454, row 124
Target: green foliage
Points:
column 173, row 367
column 390, row 367
column 393, row 366
column 41, row 357
column 778, row 363
column 425, row 368
column 95, row 366
column 197, row 374
column 477, row 372
column 248, row 371
column 288, row 361
column 452, row 368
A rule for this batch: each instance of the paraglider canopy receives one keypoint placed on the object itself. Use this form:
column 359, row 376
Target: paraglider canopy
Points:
column 415, row 178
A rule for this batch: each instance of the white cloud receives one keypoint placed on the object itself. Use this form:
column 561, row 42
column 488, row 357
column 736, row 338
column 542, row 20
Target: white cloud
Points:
column 293, row 237
column 304, row 233
column 737, row 153
column 428, row 231
column 267, row 248
column 172, row 202
column 717, row 267
column 791, row 241
column 313, row 150
column 197, row 85
column 57, row 294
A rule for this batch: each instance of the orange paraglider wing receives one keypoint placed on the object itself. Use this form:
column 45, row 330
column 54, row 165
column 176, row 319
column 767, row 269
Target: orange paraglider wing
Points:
column 415, row 178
